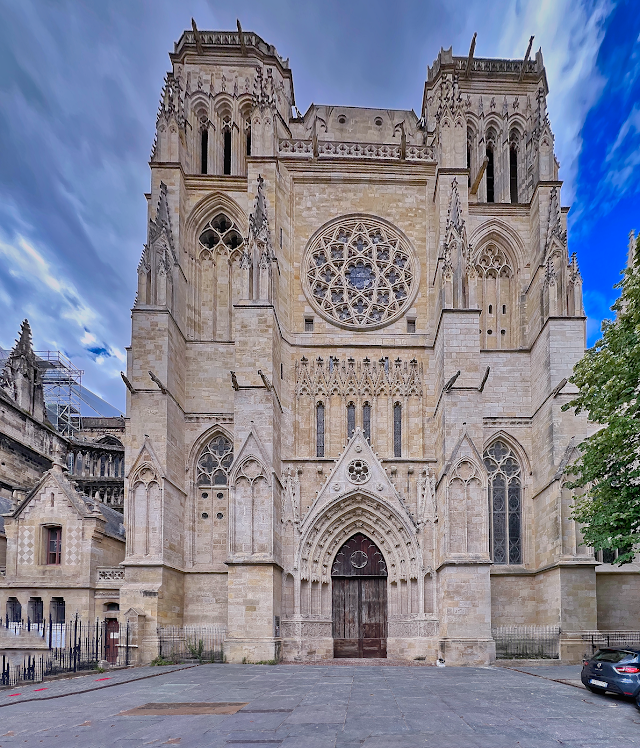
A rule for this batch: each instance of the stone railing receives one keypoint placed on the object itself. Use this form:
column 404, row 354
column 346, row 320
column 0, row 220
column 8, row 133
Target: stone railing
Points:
column 299, row 148
column 110, row 574
column 290, row 148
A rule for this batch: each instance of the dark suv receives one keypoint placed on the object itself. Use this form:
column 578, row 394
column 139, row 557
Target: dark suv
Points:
column 615, row 669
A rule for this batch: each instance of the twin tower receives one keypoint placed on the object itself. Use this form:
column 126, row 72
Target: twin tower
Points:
column 350, row 346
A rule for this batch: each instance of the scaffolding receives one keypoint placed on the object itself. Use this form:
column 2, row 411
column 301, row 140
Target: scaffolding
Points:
column 61, row 382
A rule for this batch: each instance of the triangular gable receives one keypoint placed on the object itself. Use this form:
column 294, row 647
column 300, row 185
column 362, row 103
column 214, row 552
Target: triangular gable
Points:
column 55, row 479
column 357, row 468
column 146, row 456
column 464, row 448
column 251, row 447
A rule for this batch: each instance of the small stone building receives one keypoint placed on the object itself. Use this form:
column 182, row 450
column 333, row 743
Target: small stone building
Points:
column 82, row 514
column 63, row 552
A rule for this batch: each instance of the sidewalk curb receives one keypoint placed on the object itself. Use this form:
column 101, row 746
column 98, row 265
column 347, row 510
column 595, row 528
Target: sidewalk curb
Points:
column 95, row 688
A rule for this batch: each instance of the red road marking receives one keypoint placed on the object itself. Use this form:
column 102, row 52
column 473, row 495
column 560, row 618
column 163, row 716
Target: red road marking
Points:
column 103, row 678
column 14, row 694
column 41, row 689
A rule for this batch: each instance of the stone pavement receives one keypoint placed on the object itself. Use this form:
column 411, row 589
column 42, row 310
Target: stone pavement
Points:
column 314, row 706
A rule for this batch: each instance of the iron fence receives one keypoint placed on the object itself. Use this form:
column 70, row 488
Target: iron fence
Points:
column 70, row 647
column 203, row 643
column 527, row 642
column 600, row 639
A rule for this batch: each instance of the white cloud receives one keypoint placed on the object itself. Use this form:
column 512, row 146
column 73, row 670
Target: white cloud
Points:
column 570, row 34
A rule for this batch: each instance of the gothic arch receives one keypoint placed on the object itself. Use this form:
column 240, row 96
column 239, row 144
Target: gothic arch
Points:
column 501, row 233
column 358, row 511
column 505, row 493
column 208, row 207
column 512, row 442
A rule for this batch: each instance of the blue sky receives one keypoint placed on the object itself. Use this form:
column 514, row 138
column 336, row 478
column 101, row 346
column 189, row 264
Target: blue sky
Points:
column 80, row 86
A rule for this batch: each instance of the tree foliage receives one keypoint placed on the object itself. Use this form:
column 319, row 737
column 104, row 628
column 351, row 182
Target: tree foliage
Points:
column 608, row 469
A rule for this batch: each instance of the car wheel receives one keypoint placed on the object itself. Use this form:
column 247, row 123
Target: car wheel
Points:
column 600, row 691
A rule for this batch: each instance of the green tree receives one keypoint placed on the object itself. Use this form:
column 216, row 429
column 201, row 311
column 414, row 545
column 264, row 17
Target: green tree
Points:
column 608, row 469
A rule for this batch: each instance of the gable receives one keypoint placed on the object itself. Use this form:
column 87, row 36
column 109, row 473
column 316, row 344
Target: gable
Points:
column 357, row 469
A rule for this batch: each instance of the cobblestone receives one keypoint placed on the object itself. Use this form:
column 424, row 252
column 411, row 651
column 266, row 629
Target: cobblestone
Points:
column 316, row 706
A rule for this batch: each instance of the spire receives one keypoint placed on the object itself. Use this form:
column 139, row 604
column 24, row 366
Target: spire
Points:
column 259, row 233
column 554, row 226
column 21, row 378
column 454, row 215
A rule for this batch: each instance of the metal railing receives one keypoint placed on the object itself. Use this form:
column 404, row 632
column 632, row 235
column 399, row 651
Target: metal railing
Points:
column 601, row 639
column 68, row 647
column 527, row 642
column 203, row 643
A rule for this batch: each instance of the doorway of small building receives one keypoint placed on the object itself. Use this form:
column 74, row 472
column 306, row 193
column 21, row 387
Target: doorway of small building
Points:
column 359, row 597
column 112, row 639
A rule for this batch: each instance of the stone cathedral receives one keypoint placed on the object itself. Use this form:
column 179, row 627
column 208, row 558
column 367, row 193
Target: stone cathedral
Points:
column 350, row 349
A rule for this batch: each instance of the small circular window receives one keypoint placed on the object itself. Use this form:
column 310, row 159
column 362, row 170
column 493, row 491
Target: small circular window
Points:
column 342, row 119
column 358, row 472
column 205, row 515
column 220, row 515
column 378, row 121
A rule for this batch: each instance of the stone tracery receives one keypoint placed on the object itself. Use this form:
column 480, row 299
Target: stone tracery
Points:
column 360, row 272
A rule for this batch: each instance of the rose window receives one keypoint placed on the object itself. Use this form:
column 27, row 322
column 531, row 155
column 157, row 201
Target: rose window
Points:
column 360, row 272
column 358, row 471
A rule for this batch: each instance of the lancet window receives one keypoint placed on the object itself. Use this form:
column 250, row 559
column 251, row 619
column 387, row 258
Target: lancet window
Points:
column 495, row 278
column 397, row 430
column 490, row 173
column 513, row 165
column 320, row 430
column 218, row 279
column 351, row 420
column 505, row 503
column 366, row 421
column 214, row 462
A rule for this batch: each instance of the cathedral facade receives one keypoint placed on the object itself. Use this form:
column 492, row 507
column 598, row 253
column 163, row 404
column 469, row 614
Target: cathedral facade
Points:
column 350, row 349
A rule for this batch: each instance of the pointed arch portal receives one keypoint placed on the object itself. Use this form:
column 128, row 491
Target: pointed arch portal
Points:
column 359, row 592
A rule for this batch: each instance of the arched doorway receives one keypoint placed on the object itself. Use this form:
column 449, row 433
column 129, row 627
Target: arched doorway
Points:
column 359, row 591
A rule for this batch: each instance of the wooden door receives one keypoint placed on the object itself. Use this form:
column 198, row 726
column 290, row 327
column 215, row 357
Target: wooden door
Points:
column 359, row 577
column 112, row 633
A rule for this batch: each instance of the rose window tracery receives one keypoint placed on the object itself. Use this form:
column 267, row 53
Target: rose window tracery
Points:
column 358, row 472
column 360, row 272
column 221, row 235
column 214, row 462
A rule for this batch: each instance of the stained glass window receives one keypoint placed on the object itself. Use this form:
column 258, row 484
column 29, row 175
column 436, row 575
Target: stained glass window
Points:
column 366, row 421
column 214, row 462
column 320, row 430
column 360, row 272
column 505, row 504
column 397, row 430
column 351, row 420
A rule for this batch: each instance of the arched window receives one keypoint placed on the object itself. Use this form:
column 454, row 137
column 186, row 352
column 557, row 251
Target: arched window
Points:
column 366, row 421
column 490, row 176
column 214, row 462
column 204, row 151
column 505, row 504
column 351, row 420
column 495, row 277
column 397, row 430
column 248, row 140
column 226, row 145
column 513, row 166
column 320, row 430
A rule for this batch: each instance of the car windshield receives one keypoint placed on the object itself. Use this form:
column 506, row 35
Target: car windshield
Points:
column 614, row 655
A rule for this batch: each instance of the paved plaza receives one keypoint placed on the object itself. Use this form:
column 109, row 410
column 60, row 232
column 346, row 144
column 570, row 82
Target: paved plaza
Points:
column 313, row 706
